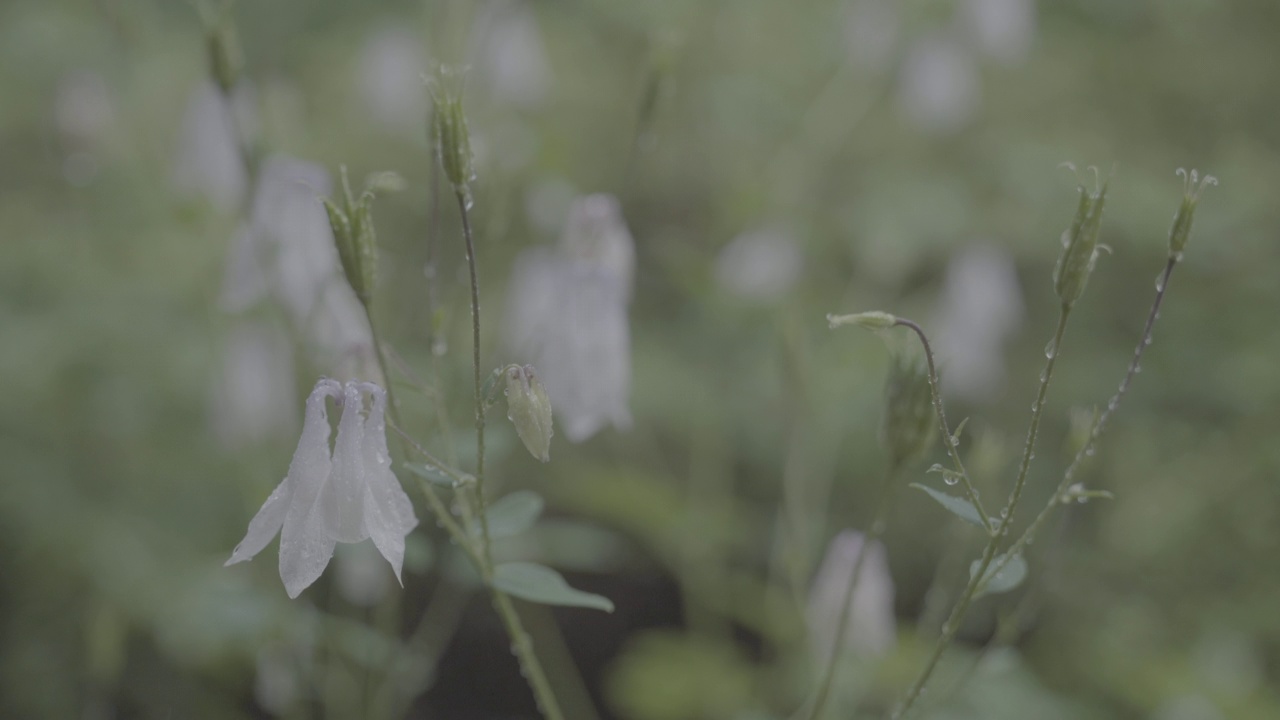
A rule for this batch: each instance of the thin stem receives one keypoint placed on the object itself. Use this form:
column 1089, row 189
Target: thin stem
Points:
column 971, row 493
column 952, row 625
column 872, row 536
column 475, row 363
column 522, row 647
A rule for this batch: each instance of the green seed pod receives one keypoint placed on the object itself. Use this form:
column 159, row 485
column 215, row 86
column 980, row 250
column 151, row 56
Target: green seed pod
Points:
column 1193, row 185
column 364, row 250
column 1079, row 247
column 448, row 127
column 909, row 419
column 529, row 409
column 874, row 320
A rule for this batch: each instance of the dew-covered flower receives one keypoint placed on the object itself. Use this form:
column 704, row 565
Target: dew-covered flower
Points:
column 872, row 628
column 567, row 315
column 760, row 265
column 345, row 495
column 981, row 305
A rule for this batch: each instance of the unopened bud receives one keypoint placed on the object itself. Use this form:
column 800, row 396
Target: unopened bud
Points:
column 1193, row 185
column 1079, row 247
column 909, row 415
column 225, row 59
column 529, row 409
column 449, row 127
column 353, row 234
column 874, row 320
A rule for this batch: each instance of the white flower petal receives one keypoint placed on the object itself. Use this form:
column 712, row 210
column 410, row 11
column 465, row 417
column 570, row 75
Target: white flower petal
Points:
column 388, row 512
column 264, row 526
column 305, row 548
column 872, row 628
column 342, row 498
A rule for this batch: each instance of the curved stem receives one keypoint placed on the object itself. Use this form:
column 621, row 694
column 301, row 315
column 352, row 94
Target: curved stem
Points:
column 952, row 625
column 872, row 536
column 971, row 493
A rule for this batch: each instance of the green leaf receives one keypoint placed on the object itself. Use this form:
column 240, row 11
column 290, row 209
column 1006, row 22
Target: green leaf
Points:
column 433, row 474
column 540, row 584
column 960, row 507
column 513, row 514
column 1005, row 579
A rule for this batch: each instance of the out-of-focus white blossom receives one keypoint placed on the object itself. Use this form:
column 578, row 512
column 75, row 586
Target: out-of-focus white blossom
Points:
column 939, row 90
column 1002, row 29
column 391, row 67
column 362, row 576
column 286, row 252
column 275, row 682
column 208, row 162
column 254, row 396
column 760, row 265
column 567, row 316
column 346, row 495
column 981, row 305
column 871, row 33
column 82, row 107
column 511, row 59
column 872, row 628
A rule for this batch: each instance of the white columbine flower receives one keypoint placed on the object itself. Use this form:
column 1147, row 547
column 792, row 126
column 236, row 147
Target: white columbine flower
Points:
column 344, row 496
column 567, row 315
column 872, row 628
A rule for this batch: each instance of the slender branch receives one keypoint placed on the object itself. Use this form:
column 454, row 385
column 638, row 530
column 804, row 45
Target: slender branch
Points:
column 971, row 493
column 873, row 535
column 522, row 647
column 952, row 625
column 475, row 363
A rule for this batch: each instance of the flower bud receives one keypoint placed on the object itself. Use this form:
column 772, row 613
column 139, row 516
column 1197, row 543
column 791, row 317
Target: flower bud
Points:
column 449, row 127
column 1181, row 230
column 353, row 233
column 529, row 409
column 909, row 415
column 1079, row 247
column 874, row 320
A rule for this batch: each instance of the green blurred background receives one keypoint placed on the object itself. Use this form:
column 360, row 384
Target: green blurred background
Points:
column 882, row 139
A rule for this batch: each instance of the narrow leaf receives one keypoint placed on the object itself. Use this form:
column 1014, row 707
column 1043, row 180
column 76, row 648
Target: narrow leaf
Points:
column 1005, row 579
column 433, row 474
column 540, row 584
column 960, row 507
column 513, row 514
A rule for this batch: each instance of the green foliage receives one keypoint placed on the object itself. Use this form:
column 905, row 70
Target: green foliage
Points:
column 540, row 584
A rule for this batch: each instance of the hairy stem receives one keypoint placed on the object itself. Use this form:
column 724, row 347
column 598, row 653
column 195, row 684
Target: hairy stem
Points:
column 952, row 625
column 971, row 493
column 475, row 364
column 872, row 536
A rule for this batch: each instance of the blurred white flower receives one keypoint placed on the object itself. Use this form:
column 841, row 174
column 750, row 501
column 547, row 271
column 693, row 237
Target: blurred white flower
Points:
column 286, row 252
column 391, row 67
column 275, row 682
column 981, row 305
column 871, row 32
column 208, row 162
column 872, row 628
column 760, row 265
column 344, row 496
column 511, row 58
column 82, row 107
column 254, row 397
column 1002, row 29
column 567, row 316
column 939, row 90
column 362, row 577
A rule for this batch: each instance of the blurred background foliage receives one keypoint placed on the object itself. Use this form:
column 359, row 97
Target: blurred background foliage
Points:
column 882, row 140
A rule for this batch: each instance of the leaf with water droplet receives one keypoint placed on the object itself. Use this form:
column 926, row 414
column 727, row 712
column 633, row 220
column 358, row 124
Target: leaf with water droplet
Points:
column 955, row 436
column 960, row 507
column 999, row 579
column 540, row 584
column 513, row 514
column 433, row 474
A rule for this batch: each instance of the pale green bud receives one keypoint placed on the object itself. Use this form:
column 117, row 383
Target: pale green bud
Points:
column 1193, row 185
column 874, row 320
column 448, row 127
column 909, row 418
column 353, row 233
column 529, row 409
column 1079, row 247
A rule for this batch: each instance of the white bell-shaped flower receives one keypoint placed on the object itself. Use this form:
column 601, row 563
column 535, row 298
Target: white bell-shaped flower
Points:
column 346, row 495
column 872, row 628
column 567, row 315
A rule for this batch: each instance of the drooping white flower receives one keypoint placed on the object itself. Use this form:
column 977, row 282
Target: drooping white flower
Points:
column 872, row 628
column 346, row 495
column 940, row 89
column 567, row 315
column 981, row 305
column 760, row 265
column 208, row 162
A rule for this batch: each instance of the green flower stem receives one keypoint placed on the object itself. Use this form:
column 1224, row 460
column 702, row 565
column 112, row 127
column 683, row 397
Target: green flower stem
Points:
column 971, row 493
column 522, row 647
column 872, row 536
column 461, row 196
column 1112, row 405
column 952, row 625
